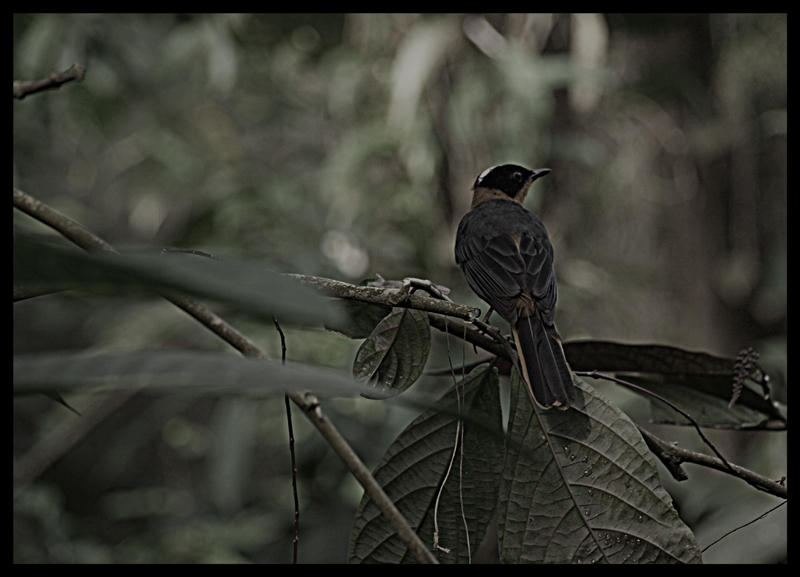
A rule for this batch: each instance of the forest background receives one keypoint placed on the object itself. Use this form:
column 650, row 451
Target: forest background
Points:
column 345, row 146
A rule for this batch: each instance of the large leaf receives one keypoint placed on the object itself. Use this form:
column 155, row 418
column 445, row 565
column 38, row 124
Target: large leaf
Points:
column 586, row 492
column 247, row 284
column 393, row 357
column 699, row 383
column 414, row 468
column 609, row 356
column 193, row 372
column 707, row 400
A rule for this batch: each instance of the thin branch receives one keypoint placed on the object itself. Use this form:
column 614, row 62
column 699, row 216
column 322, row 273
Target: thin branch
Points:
column 474, row 336
column 23, row 88
column 675, row 456
column 662, row 450
column 296, row 541
column 66, row 226
column 727, row 466
column 743, row 526
column 291, row 449
column 307, row 402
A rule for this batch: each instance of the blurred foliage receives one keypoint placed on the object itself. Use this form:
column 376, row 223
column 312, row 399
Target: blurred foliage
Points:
column 343, row 146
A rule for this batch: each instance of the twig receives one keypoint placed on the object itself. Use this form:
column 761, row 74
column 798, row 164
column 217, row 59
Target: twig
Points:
column 291, row 448
column 23, row 88
column 745, row 525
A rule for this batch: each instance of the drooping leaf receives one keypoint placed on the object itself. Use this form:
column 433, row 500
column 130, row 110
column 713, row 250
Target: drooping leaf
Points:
column 706, row 399
column 247, row 284
column 586, row 492
column 699, row 383
column 173, row 371
column 415, row 467
column 393, row 357
column 608, row 356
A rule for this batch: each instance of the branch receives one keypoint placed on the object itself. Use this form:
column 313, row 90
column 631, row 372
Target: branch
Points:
column 661, row 449
column 307, row 402
column 724, row 465
column 471, row 335
column 23, row 88
column 672, row 456
column 390, row 297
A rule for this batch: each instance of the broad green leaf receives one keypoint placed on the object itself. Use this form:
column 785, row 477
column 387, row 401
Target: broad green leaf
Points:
column 586, row 492
column 415, row 466
column 191, row 372
column 393, row 357
column 247, row 284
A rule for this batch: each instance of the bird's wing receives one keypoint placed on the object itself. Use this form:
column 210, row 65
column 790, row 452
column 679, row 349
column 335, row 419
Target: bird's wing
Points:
column 504, row 250
column 539, row 278
column 495, row 271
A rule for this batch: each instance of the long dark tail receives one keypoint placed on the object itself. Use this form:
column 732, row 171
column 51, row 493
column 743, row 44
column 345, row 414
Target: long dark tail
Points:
column 544, row 366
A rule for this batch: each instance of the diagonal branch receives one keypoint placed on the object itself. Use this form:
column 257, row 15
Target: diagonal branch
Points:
column 675, row 456
column 307, row 402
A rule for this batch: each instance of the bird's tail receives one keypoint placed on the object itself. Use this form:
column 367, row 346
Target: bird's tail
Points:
column 547, row 376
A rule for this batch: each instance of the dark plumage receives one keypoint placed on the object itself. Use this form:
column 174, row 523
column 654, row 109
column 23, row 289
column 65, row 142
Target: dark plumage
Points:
column 506, row 255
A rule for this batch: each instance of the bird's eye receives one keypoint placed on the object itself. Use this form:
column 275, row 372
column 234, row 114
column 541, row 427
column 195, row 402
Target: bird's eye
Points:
column 517, row 176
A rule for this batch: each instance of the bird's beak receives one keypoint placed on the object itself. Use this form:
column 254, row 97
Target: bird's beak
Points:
column 539, row 172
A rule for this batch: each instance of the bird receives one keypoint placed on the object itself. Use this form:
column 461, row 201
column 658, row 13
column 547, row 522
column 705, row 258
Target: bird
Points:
column 507, row 258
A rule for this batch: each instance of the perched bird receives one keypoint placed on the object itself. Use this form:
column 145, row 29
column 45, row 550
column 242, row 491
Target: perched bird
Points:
column 506, row 255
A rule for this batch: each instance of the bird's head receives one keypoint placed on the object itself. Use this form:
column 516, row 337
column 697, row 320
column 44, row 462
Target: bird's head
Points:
column 505, row 181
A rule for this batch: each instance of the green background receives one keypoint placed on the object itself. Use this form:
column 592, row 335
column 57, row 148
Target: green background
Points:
column 345, row 146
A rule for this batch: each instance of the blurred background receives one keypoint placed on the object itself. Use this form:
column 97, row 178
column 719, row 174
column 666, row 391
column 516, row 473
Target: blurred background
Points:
column 345, row 146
